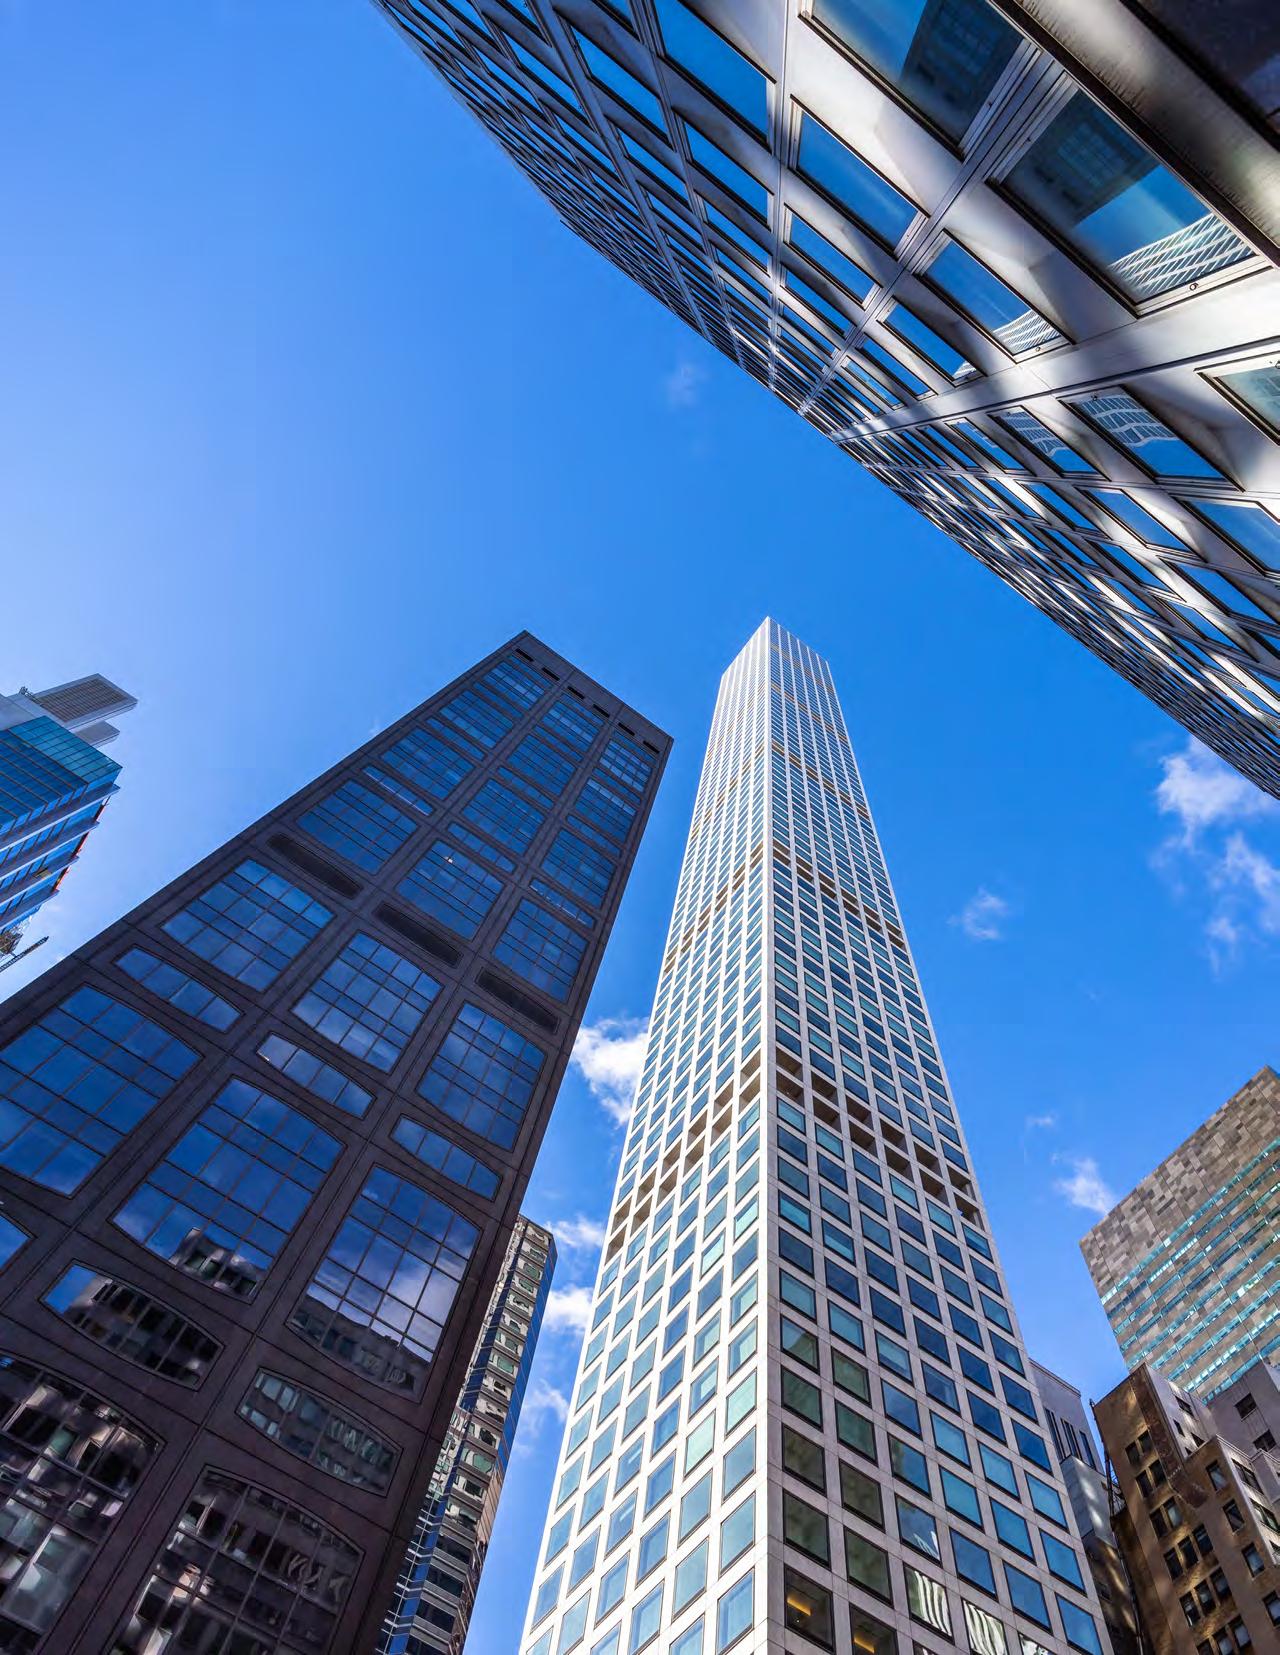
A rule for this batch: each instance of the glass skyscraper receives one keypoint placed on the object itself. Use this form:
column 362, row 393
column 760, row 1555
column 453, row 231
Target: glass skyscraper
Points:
column 262, row 1148
column 1016, row 259
column 437, row 1592
column 1188, row 1264
column 804, row 1415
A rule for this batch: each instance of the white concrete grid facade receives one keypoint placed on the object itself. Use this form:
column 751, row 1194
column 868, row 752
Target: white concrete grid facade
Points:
column 913, row 225
column 803, row 1415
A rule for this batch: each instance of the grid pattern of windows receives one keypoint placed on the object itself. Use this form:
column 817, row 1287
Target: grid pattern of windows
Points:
column 446, row 1157
column 249, row 924
column 483, row 1076
column 428, row 764
column 508, row 818
column 383, row 1292
column 358, row 824
column 451, row 887
column 224, row 1200
column 318, row 1431
column 541, row 949
column 133, row 1324
column 579, row 868
column 184, row 993
column 321, row 1079
column 940, row 202
column 368, row 1001
column 76, row 1081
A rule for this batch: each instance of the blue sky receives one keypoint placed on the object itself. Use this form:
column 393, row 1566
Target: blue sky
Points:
column 309, row 400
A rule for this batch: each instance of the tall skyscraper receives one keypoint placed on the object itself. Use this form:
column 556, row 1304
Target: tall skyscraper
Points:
column 1188, row 1264
column 437, row 1591
column 262, row 1148
column 802, row 1404
column 54, row 785
column 1016, row 258
column 1200, row 1521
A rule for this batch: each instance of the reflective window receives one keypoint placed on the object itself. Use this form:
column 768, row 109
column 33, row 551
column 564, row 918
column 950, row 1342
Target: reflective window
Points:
column 1250, row 526
column 745, row 186
column 249, row 924
column 1134, row 517
column 623, row 759
column 1026, row 1596
column 709, row 58
column 833, row 167
column 542, row 763
column 829, row 258
column 446, row 1157
column 930, row 345
column 983, row 296
column 1131, row 427
column 1109, row 197
column 318, row 1431
column 579, row 868
column 184, row 993
column 133, row 1324
column 369, row 1001
column 1257, row 389
column 606, row 808
column 76, row 1081
column 1082, row 1633
column 808, row 1609
column 739, row 237
column 516, row 680
column 322, row 1080
column 223, row 1201
column 1036, row 434
column 477, row 721
column 12, row 1239
column 450, row 886
column 358, row 824
column 245, row 1570
column 541, row 949
column 943, row 59
column 483, row 1076
column 572, row 723
column 735, row 1612
column 927, row 1600
column 383, row 1292
column 621, row 82
column 427, row 763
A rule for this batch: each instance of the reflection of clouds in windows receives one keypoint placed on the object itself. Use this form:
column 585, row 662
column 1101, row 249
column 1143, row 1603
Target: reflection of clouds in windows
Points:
column 368, row 1001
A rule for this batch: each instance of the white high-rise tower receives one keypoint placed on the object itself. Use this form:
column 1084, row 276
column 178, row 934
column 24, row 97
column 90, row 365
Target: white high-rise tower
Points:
column 803, row 1414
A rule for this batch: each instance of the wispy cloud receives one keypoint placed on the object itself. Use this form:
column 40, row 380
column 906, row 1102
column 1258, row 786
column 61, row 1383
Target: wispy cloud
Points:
column 683, row 385
column 609, row 1054
column 983, row 916
column 580, row 1234
column 568, row 1310
column 1209, row 857
column 1041, row 1123
column 1083, row 1185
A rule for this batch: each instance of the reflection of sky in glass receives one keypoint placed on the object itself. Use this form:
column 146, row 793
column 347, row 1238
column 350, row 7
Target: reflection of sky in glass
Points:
column 828, row 257
column 926, row 341
column 710, row 58
column 1250, row 526
column 1039, row 436
column 1130, row 425
column 834, row 167
column 986, row 298
column 1257, row 388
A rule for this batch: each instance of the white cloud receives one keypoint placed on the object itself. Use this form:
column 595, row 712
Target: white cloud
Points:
column 1201, row 790
column 982, row 916
column 610, row 1055
column 1245, row 868
column 683, row 385
column 1085, row 1186
column 568, row 1310
column 543, row 1400
column 579, row 1234
column 1045, row 1123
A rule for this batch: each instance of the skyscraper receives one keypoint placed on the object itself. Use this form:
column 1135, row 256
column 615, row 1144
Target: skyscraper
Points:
column 803, row 1402
column 262, row 1148
column 54, row 785
column 1188, row 1264
column 1015, row 258
column 437, row 1591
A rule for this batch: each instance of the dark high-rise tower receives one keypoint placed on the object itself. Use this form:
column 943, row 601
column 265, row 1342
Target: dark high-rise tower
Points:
column 262, row 1147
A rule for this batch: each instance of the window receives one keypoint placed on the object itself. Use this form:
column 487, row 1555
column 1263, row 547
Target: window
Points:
column 360, row 825
column 927, row 343
column 451, row 887
column 384, row 1290
column 927, row 1600
column 901, row 1408
column 867, row 1565
column 133, row 1324
column 918, row 1529
column 446, row 1157
column 652, row 1549
column 801, row 1397
column 174, row 987
column 805, row 1527
column 808, row 1609
column 695, row 1505
column 1026, row 1596
column 986, row 1633
column 961, row 1497
column 12, row 1239
column 368, row 1001
column 861, row 1494
column 504, row 816
column 872, row 1636
column 646, row 1618
column 737, row 1532
column 1036, row 434
column 829, row 258
column 249, row 924
column 75, row 1082
column 292, row 1594
column 483, row 1076
column 714, row 63
column 739, row 1461
column 833, row 167
column 973, row 1562
column 579, row 868
column 741, row 184
column 1062, row 1560
column 1079, row 1627
column 944, row 66
column 1257, row 390
column 803, row 1458
column 735, row 1612
column 909, row 1464
column 1112, row 201
column 1012, row 1529
column 983, row 296
column 318, row 1432
column 322, row 1080
column 1132, row 428
column 72, row 1463
column 224, row 1200
column 691, row 1577
column 541, row 949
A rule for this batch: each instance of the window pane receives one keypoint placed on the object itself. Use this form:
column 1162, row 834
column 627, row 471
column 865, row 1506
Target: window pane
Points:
column 829, row 258
column 927, row 1600
column 541, row 949
column 318, row 1431
column 1036, row 434
column 1141, row 434
column 980, row 293
column 322, row 1080
column 483, row 1076
column 735, row 1613
column 133, row 1324
column 174, row 987
column 359, row 824
column 451, row 887
column 710, row 58
column 368, row 1001
column 737, row 180
column 249, row 924
column 808, row 1609
column 833, row 167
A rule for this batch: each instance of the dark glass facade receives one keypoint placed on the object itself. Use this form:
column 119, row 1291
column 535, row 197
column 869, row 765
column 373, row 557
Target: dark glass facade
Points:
column 262, row 1148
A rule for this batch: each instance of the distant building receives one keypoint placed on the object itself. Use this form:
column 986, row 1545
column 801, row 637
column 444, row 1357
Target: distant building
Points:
column 54, row 786
column 437, row 1592
column 1188, row 1264
column 1199, row 1526
column 1091, row 1493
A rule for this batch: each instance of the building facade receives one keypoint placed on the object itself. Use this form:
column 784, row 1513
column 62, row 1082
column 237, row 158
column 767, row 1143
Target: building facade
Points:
column 1188, row 1264
column 437, row 1591
column 803, row 1414
column 1017, row 258
column 1199, row 1522
column 54, row 785
column 1092, row 1495
column 264, row 1142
